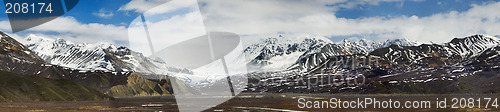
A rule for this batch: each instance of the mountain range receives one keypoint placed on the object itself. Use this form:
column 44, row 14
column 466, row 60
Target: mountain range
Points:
column 24, row 76
column 463, row 65
column 399, row 65
column 282, row 53
column 92, row 57
column 20, row 60
column 269, row 54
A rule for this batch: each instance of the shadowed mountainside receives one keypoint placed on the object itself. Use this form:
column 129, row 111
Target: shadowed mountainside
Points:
column 15, row 87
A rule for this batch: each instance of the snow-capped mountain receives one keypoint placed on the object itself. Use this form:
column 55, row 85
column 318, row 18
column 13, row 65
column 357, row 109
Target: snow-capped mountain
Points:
column 314, row 58
column 431, row 55
column 91, row 57
column 270, row 54
column 472, row 45
column 13, row 49
column 371, row 45
column 278, row 53
column 488, row 59
column 463, row 65
column 17, row 58
column 345, row 47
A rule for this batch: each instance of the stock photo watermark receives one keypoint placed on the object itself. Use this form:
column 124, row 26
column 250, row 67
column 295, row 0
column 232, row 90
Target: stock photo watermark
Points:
column 332, row 73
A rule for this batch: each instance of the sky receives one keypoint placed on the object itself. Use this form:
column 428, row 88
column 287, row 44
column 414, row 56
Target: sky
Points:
column 115, row 21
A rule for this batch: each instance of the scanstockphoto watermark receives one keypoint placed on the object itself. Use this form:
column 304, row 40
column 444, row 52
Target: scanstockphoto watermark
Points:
column 381, row 103
column 334, row 71
column 350, row 62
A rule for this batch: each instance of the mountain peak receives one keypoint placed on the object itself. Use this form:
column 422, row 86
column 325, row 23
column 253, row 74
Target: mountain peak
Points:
column 472, row 45
column 345, row 40
column 278, row 53
column 13, row 50
column 103, row 56
column 61, row 41
column 364, row 40
column 32, row 37
column 400, row 42
column 475, row 38
column 370, row 45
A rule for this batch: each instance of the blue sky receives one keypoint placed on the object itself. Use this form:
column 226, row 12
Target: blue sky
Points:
column 420, row 8
column 408, row 8
column 86, row 10
column 402, row 8
column 353, row 19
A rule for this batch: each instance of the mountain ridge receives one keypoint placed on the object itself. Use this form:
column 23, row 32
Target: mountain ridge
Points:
column 101, row 56
column 19, row 88
column 20, row 60
column 344, row 47
column 274, row 53
column 464, row 65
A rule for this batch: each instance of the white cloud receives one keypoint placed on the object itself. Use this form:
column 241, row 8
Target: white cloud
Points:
column 166, row 32
column 257, row 17
column 5, row 26
column 350, row 4
column 142, row 5
column 103, row 14
column 261, row 17
column 70, row 29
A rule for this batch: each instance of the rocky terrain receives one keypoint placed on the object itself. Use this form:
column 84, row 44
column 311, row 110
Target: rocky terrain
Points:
column 19, row 88
column 463, row 65
column 18, row 59
column 276, row 65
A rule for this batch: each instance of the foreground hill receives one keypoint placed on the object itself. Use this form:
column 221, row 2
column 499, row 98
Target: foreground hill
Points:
column 18, row 59
column 150, row 85
column 15, row 87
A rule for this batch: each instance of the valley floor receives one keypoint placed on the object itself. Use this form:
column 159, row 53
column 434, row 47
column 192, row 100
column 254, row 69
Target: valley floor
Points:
column 250, row 102
column 119, row 104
